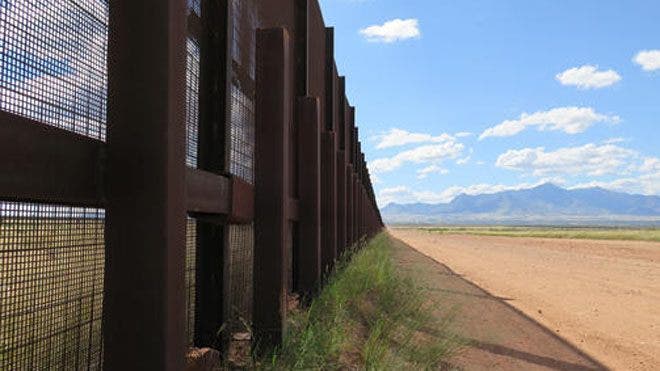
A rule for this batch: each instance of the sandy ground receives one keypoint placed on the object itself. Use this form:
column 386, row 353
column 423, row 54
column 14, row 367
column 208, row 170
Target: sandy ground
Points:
column 603, row 297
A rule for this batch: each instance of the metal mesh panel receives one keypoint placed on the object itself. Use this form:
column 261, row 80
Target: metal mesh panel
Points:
column 241, row 248
column 241, row 143
column 192, row 101
column 191, row 265
column 192, row 141
column 53, row 62
column 241, row 152
column 195, row 6
column 241, row 157
column 243, row 51
column 51, row 287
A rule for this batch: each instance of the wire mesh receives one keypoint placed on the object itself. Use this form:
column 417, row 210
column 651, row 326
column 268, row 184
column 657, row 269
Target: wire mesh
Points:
column 241, row 256
column 195, row 6
column 53, row 62
column 244, row 25
column 241, row 143
column 241, row 146
column 192, row 101
column 191, row 270
column 51, row 280
column 192, row 143
column 238, row 306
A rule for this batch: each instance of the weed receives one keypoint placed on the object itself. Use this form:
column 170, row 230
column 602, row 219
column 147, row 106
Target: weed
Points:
column 368, row 316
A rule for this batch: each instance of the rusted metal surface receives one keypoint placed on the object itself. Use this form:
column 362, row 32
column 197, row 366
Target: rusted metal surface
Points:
column 341, row 202
column 328, row 201
column 145, row 217
column 331, row 83
column 214, row 97
column 214, row 114
column 208, row 193
column 301, row 46
column 316, row 60
column 277, row 146
column 360, row 200
column 278, row 13
column 349, row 126
column 293, row 210
column 349, row 205
column 274, row 114
column 309, row 143
column 42, row 163
column 242, row 202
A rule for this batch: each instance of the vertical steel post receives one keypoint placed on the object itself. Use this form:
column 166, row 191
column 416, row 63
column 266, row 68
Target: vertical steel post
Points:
column 145, row 214
column 341, row 203
column 309, row 163
column 213, row 108
column 328, row 203
column 273, row 119
column 354, row 182
column 348, row 138
column 342, row 163
column 358, row 204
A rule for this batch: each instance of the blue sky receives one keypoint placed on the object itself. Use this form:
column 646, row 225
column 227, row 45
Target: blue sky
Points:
column 423, row 74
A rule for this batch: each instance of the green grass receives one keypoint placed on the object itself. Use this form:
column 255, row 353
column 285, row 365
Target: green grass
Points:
column 636, row 234
column 368, row 316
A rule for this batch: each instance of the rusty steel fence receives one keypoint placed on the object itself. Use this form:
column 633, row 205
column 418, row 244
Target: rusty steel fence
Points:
column 173, row 172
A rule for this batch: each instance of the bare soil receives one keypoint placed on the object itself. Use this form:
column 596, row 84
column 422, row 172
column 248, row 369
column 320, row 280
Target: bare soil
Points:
column 537, row 303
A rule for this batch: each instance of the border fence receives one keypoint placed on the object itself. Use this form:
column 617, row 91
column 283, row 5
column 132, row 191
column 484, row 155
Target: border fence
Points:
column 172, row 172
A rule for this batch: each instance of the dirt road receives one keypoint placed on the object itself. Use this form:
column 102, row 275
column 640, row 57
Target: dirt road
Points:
column 603, row 297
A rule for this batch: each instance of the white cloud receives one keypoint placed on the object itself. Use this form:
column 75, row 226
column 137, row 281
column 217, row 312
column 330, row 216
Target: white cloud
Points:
column 463, row 161
column 615, row 140
column 650, row 165
column 463, row 134
column 432, row 169
column 391, row 31
column 646, row 184
column 570, row 120
column 398, row 194
column 648, row 59
column 398, row 137
column 645, row 180
column 404, row 195
column 448, row 194
column 590, row 159
column 434, row 153
column 588, row 77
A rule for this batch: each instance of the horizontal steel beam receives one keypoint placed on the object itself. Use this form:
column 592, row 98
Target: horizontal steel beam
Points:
column 207, row 193
column 42, row 163
column 242, row 202
column 209, row 196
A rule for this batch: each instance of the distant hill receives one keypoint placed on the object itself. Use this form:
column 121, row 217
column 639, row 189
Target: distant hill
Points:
column 546, row 203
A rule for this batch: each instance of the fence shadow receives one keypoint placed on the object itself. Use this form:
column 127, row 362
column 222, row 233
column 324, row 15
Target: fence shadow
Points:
column 498, row 335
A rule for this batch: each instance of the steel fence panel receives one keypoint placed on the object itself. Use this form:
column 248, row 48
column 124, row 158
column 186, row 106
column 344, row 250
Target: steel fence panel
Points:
column 51, row 275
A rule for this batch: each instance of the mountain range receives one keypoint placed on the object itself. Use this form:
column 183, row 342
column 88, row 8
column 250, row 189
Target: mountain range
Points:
column 546, row 203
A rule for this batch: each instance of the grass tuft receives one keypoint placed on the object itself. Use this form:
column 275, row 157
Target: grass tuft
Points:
column 368, row 316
